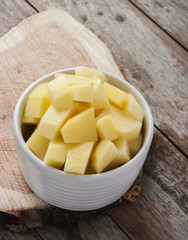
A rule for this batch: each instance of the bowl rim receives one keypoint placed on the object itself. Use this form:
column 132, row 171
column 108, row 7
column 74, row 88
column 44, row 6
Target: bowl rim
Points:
column 19, row 138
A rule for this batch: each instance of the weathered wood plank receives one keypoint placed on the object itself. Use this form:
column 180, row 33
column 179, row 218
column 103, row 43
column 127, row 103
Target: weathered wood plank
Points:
column 172, row 16
column 29, row 235
column 12, row 12
column 168, row 168
column 161, row 210
column 150, row 59
column 98, row 227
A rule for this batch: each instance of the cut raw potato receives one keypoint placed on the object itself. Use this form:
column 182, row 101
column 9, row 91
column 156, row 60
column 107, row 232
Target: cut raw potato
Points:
column 74, row 79
column 56, row 153
column 29, row 119
column 89, row 72
column 103, row 154
column 82, row 106
column 135, row 145
column 52, row 121
column 38, row 102
column 82, row 92
column 80, row 128
column 133, row 108
column 78, row 157
column 123, row 154
column 116, row 96
column 100, row 99
column 73, row 112
column 38, row 144
column 125, row 125
column 106, row 128
column 89, row 169
column 59, row 93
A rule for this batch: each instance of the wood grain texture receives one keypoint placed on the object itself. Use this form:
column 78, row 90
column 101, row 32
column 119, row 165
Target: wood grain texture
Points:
column 12, row 12
column 150, row 59
column 161, row 211
column 172, row 16
column 98, row 227
column 29, row 235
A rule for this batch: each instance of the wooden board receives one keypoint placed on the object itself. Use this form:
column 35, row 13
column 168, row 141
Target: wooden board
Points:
column 41, row 44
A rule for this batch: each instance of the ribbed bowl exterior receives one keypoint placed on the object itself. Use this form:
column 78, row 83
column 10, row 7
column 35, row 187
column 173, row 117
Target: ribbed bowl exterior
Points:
column 80, row 192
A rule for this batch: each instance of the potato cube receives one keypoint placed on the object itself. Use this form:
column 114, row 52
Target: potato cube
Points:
column 125, row 125
column 80, row 128
column 38, row 144
column 116, row 96
column 123, row 154
column 29, row 119
column 100, row 99
column 103, row 154
column 78, row 157
column 82, row 106
column 133, row 108
column 82, row 92
column 106, row 128
column 74, row 79
column 56, row 153
column 52, row 121
column 135, row 145
column 89, row 169
column 38, row 102
column 59, row 93
column 89, row 72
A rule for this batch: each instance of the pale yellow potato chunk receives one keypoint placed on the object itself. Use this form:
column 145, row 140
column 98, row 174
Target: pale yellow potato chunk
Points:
column 89, row 72
column 80, row 128
column 106, row 128
column 123, row 154
column 133, row 108
column 82, row 92
column 78, row 157
column 52, row 121
column 56, row 153
column 100, row 99
column 59, row 93
column 29, row 119
column 38, row 144
column 135, row 145
column 116, row 96
column 125, row 125
column 89, row 169
column 82, row 106
column 38, row 102
column 74, row 79
column 103, row 154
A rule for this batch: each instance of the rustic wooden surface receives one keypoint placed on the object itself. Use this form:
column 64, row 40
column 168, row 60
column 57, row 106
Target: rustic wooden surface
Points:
column 151, row 50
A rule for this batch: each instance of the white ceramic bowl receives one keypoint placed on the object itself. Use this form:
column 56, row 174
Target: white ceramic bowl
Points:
column 80, row 192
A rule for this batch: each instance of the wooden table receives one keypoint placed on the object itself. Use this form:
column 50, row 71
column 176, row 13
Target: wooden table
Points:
column 149, row 40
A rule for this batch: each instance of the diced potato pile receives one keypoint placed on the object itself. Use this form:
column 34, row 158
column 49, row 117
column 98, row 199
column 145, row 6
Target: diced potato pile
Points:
column 83, row 123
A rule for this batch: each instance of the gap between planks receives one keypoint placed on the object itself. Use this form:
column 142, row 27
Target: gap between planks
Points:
column 31, row 5
column 171, row 141
column 181, row 45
